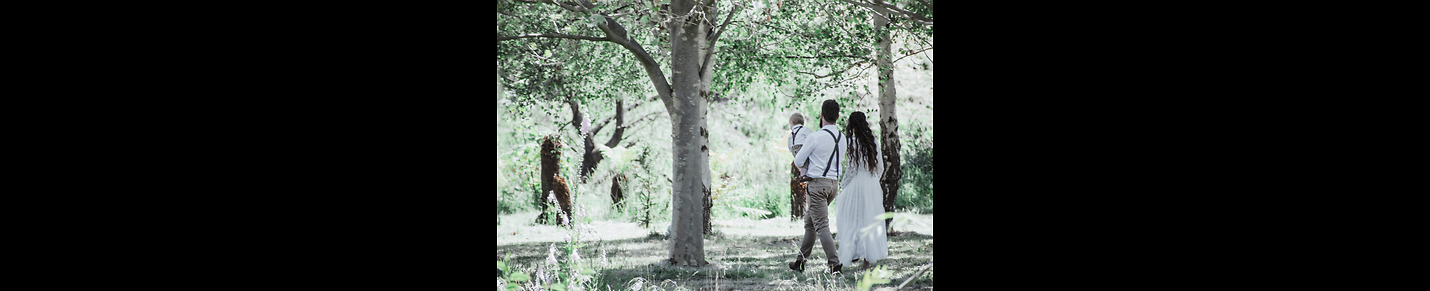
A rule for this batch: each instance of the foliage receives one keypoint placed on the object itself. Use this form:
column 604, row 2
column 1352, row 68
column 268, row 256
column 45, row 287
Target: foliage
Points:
column 749, row 162
column 651, row 199
column 917, row 191
column 875, row 276
column 554, row 69
column 563, row 270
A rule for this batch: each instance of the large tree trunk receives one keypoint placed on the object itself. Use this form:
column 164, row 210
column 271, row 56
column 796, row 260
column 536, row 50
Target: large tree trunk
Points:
column 888, row 117
column 691, row 156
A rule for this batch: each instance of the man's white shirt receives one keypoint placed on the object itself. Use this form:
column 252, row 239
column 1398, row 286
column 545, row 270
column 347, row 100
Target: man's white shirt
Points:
column 819, row 149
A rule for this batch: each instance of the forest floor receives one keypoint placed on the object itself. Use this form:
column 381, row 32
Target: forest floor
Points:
column 745, row 254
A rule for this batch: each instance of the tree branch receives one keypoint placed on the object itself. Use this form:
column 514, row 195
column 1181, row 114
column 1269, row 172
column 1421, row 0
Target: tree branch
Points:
column 867, row 6
column 927, row 4
column 862, row 4
column 914, row 16
column 648, row 117
column 620, row 119
column 575, row 114
column 851, row 66
column 916, row 275
column 552, row 35
column 721, row 29
column 821, row 57
column 710, row 47
column 569, row 6
column 608, row 120
column 616, row 33
column 910, row 54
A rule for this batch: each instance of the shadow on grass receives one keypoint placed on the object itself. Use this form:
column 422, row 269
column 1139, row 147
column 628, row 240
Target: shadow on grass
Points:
column 738, row 262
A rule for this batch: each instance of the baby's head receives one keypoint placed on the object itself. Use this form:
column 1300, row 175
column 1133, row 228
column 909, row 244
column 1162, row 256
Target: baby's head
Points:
column 796, row 119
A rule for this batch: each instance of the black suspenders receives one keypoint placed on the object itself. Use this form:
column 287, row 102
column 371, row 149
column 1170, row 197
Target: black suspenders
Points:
column 836, row 153
column 791, row 135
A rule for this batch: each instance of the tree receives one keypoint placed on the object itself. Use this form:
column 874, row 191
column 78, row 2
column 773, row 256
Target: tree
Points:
column 591, row 157
column 691, row 35
column 885, row 15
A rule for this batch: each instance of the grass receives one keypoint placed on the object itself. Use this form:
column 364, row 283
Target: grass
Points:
column 741, row 257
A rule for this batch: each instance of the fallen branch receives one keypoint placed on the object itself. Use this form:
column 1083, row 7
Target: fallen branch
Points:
column 916, row 275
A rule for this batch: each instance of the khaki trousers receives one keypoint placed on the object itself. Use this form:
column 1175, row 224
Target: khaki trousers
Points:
column 816, row 220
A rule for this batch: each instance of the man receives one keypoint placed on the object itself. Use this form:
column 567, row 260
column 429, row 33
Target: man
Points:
column 822, row 150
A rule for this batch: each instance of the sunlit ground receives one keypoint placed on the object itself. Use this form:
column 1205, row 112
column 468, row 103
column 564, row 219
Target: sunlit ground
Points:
column 745, row 254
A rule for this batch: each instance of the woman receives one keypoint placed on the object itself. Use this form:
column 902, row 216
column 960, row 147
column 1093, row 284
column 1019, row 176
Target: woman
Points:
column 860, row 199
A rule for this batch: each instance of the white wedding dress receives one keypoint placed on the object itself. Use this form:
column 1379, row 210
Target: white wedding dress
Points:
column 860, row 200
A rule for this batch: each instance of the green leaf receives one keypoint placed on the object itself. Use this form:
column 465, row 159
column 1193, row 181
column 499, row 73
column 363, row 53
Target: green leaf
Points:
column 561, row 287
column 501, row 265
column 886, row 215
column 519, row 277
column 596, row 19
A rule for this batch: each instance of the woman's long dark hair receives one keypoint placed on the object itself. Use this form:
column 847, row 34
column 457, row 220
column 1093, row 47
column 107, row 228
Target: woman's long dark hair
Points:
column 861, row 151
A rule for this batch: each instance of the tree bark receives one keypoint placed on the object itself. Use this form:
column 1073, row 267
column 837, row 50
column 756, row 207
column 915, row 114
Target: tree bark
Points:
column 796, row 194
column 551, row 183
column 888, row 115
column 617, row 194
column 690, row 150
column 592, row 157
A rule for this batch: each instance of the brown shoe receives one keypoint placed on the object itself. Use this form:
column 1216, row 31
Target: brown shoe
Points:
column 836, row 269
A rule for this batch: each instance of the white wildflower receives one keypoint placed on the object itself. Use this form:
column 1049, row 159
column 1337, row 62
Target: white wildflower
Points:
column 576, row 256
column 551, row 255
column 604, row 262
column 585, row 124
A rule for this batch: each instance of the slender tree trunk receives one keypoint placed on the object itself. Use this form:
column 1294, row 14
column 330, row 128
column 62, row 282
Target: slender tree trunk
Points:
column 690, row 150
column 797, row 191
column 888, row 116
column 707, row 69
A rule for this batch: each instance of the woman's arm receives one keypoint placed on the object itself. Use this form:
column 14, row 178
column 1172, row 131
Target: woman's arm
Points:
column 845, row 176
column 846, row 166
column 879, row 170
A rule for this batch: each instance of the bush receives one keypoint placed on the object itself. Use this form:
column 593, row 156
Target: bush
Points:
column 916, row 190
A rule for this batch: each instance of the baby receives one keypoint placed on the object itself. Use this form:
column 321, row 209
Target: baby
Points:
column 796, row 140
